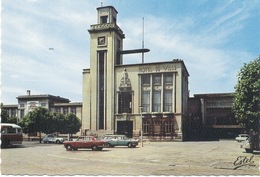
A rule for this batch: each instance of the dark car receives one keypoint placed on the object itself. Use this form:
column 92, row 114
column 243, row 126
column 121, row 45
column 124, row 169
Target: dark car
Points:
column 89, row 142
column 120, row 140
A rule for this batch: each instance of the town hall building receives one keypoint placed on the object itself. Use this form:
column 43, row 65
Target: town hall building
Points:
column 129, row 99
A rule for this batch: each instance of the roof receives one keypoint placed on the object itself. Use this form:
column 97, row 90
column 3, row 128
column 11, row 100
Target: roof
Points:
column 9, row 124
column 212, row 95
column 154, row 63
column 43, row 96
column 110, row 7
column 11, row 106
column 68, row 104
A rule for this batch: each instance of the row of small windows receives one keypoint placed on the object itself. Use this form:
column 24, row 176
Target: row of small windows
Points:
column 65, row 110
column 152, row 100
column 157, row 79
column 157, row 100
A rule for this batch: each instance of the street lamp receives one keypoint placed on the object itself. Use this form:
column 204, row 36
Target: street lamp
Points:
column 141, row 110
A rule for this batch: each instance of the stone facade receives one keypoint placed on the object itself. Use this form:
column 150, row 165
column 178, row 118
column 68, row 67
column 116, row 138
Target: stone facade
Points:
column 126, row 99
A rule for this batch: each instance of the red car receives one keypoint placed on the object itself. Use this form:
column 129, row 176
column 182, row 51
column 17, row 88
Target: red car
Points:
column 85, row 142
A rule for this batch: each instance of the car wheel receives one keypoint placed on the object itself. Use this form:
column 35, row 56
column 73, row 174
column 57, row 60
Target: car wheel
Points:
column 94, row 148
column 68, row 147
column 110, row 145
column 100, row 149
column 58, row 142
column 130, row 145
column 44, row 142
column 75, row 149
column 249, row 150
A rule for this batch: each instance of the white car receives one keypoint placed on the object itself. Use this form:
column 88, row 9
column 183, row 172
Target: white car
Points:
column 242, row 137
column 51, row 138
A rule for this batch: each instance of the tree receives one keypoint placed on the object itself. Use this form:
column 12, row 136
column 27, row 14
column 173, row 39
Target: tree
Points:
column 4, row 114
column 247, row 95
column 38, row 120
column 72, row 124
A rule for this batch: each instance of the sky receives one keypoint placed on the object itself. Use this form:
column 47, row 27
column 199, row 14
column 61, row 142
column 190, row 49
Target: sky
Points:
column 45, row 44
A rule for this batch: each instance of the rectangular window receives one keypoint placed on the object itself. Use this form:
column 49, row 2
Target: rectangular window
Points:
column 125, row 102
column 156, row 101
column 167, row 101
column 65, row 110
column 13, row 113
column 157, row 79
column 21, row 113
column 146, row 101
column 43, row 104
column 146, row 79
column 168, row 78
column 73, row 110
column 145, row 126
column 101, row 91
column 103, row 19
column 169, row 127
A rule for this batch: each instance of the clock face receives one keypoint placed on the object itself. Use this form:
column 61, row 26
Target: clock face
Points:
column 102, row 40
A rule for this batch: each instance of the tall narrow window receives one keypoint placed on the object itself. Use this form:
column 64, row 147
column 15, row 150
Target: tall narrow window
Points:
column 167, row 101
column 156, row 101
column 146, row 101
column 125, row 102
column 101, row 58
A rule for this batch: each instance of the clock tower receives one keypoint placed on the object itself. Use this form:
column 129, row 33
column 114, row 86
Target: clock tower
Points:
column 106, row 42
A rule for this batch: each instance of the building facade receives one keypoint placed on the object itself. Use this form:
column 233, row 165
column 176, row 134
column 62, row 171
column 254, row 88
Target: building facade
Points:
column 28, row 102
column 128, row 99
column 211, row 117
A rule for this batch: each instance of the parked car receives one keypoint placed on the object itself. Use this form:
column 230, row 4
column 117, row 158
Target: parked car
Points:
column 120, row 140
column 52, row 138
column 242, row 137
column 85, row 142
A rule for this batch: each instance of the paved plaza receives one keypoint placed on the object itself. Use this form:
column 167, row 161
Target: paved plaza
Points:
column 155, row 158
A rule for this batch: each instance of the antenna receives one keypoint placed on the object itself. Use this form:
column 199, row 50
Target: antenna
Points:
column 143, row 43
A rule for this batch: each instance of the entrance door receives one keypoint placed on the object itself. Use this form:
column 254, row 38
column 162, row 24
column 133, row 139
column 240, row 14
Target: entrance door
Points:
column 125, row 128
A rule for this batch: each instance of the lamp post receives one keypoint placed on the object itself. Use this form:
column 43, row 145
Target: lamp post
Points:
column 141, row 111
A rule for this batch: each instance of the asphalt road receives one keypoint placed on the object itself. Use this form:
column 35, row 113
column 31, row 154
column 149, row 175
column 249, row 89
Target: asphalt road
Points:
column 155, row 158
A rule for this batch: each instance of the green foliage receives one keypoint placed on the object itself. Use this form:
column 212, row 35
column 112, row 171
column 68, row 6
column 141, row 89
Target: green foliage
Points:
column 5, row 117
column 247, row 95
column 72, row 124
column 4, row 114
column 42, row 120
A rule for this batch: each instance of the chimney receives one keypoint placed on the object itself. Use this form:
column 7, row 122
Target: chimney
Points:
column 28, row 92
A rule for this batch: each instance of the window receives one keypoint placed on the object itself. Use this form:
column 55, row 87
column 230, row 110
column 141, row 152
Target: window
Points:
column 21, row 113
column 103, row 19
column 11, row 130
column 169, row 127
column 125, row 102
column 73, row 110
column 156, row 101
column 157, row 79
column 13, row 113
column 43, row 104
column 146, row 101
column 168, row 78
column 168, row 100
column 145, row 127
column 65, row 110
column 146, row 79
